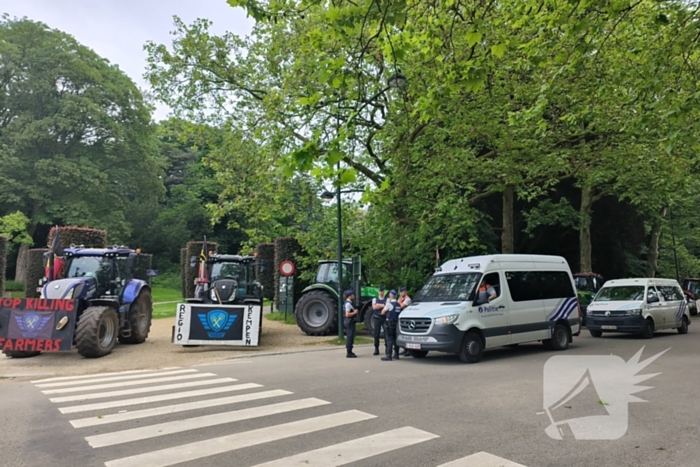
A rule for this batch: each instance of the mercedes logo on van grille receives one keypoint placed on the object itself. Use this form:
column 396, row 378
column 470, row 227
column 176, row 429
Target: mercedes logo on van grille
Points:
column 607, row 313
column 412, row 325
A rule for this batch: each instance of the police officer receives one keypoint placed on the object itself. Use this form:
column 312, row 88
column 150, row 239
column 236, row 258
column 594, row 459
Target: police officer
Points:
column 349, row 321
column 392, row 310
column 378, row 317
column 405, row 301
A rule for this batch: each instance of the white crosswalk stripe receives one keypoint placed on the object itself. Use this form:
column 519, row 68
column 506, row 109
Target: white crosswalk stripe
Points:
column 147, row 420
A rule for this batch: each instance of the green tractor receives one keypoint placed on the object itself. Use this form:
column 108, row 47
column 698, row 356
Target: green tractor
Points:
column 316, row 311
column 587, row 286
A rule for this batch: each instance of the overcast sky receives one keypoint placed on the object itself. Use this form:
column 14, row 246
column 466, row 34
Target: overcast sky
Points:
column 118, row 29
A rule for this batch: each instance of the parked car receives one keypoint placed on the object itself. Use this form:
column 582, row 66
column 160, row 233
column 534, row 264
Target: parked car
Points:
column 639, row 306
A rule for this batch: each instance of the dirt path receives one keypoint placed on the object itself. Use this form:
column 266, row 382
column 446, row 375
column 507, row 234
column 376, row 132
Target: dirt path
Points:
column 158, row 352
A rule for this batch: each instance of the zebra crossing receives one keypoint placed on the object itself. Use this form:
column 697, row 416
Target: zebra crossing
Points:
column 106, row 401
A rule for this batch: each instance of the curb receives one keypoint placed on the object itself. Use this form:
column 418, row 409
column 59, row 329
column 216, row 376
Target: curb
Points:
column 281, row 352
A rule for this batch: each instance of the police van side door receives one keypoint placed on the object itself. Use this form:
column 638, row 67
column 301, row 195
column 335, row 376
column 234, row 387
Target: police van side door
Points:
column 656, row 308
column 493, row 315
column 526, row 320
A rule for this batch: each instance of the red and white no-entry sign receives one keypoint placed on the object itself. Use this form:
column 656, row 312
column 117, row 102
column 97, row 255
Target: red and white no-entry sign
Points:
column 287, row 268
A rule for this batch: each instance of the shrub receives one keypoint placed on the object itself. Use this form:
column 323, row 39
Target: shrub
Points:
column 3, row 263
column 14, row 286
column 265, row 269
column 189, row 274
column 35, row 271
column 183, row 265
column 91, row 238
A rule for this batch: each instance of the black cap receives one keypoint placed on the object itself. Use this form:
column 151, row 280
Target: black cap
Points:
column 349, row 292
column 402, row 289
column 381, row 288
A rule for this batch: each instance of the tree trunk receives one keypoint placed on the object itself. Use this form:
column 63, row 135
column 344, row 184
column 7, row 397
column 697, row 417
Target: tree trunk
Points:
column 585, row 248
column 653, row 256
column 508, row 234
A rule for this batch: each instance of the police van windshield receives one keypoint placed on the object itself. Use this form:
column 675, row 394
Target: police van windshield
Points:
column 626, row 293
column 449, row 288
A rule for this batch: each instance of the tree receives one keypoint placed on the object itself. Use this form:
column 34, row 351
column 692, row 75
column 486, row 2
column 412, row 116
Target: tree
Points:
column 77, row 145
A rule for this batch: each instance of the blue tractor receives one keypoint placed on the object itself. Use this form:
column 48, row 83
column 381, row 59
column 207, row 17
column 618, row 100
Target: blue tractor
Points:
column 112, row 304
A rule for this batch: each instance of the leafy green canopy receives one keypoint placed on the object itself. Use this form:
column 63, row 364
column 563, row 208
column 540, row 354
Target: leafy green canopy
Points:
column 76, row 141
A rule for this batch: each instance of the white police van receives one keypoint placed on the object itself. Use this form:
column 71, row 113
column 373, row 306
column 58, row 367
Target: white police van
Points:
column 640, row 306
column 530, row 298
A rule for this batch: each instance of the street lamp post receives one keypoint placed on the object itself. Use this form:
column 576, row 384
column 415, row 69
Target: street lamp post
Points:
column 395, row 81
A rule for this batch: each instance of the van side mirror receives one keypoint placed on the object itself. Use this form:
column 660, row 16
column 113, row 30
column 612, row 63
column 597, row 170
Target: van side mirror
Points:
column 653, row 300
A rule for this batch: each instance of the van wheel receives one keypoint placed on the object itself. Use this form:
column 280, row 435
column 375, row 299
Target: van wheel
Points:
column 418, row 353
column 684, row 326
column 648, row 331
column 596, row 333
column 560, row 338
column 472, row 348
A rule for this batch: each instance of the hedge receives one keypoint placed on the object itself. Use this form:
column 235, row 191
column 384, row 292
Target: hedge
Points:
column 91, row 238
column 3, row 263
column 288, row 249
column 35, row 271
column 265, row 269
column 183, row 264
column 193, row 249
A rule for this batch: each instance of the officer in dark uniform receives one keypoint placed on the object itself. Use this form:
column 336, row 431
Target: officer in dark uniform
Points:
column 350, row 312
column 378, row 317
column 392, row 322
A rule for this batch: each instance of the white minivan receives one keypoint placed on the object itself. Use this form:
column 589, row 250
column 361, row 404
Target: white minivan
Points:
column 640, row 306
column 476, row 303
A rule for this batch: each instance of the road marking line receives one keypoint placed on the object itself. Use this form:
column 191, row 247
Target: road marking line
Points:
column 169, row 409
column 355, row 450
column 204, row 421
column 127, row 383
column 160, row 398
column 126, row 392
column 115, row 378
column 71, row 378
column 213, row 446
column 481, row 459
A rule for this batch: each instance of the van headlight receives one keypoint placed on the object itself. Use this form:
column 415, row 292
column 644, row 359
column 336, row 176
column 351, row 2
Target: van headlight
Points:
column 635, row 312
column 449, row 319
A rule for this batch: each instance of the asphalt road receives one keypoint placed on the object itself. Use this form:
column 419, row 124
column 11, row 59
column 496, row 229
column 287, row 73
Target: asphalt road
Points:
column 321, row 409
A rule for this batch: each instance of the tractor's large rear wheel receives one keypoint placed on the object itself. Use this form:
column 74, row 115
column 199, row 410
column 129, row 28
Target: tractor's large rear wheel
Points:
column 97, row 330
column 140, row 316
column 317, row 313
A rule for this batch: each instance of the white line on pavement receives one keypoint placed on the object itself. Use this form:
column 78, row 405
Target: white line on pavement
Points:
column 355, row 450
column 126, row 392
column 170, row 409
column 121, row 384
column 213, row 446
column 481, row 459
column 159, row 398
column 178, row 426
column 115, row 378
column 68, row 378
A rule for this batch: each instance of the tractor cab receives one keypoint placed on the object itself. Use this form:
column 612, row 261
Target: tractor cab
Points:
column 231, row 281
column 91, row 273
column 691, row 289
column 588, row 282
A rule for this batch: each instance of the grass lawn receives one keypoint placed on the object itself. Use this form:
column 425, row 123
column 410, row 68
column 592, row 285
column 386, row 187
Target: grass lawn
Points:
column 279, row 316
column 161, row 294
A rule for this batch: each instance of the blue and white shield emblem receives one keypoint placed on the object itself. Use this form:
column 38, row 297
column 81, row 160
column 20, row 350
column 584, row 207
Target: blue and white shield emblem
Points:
column 217, row 322
column 31, row 321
